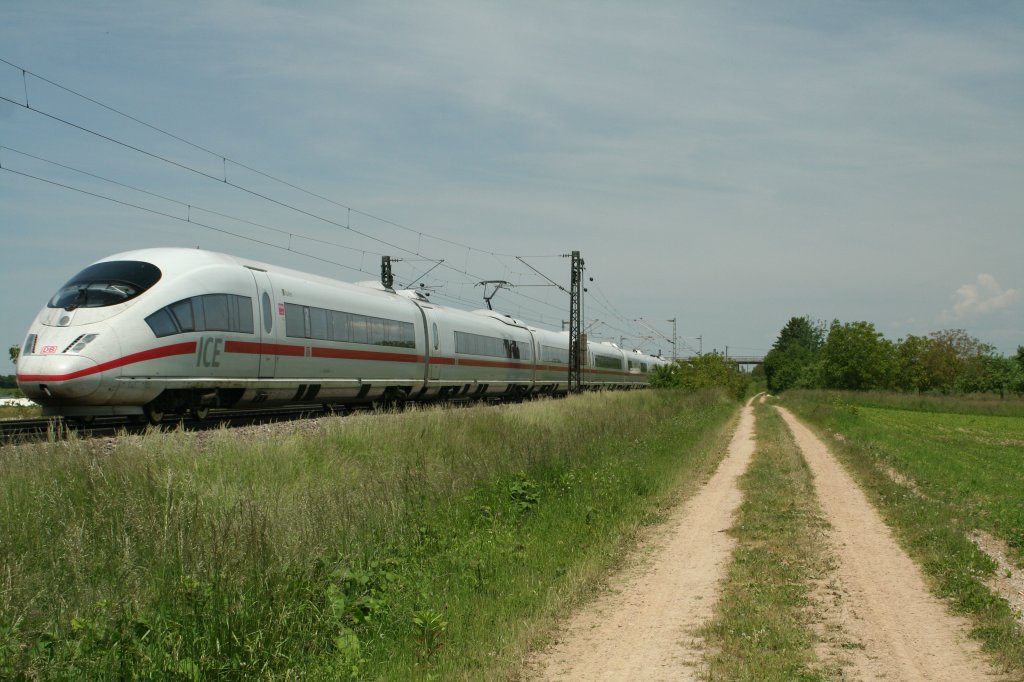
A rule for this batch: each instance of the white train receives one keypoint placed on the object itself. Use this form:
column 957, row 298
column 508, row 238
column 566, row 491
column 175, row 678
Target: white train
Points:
column 170, row 331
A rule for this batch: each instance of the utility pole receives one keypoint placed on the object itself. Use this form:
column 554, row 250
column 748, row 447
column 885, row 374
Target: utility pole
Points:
column 577, row 341
column 674, row 353
column 386, row 278
column 700, row 345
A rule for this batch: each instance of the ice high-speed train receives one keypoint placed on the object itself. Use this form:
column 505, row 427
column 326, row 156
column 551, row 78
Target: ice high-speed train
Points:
column 175, row 331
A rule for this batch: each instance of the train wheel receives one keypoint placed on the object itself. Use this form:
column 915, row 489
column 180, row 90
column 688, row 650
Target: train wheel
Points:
column 200, row 413
column 154, row 414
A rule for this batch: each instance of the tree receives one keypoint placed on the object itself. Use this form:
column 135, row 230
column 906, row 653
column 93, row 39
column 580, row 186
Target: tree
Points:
column 15, row 351
column 908, row 370
column 996, row 374
column 712, row 370
column 945, row 359
column 792, row 360
column 704, row 371
column 856, row 357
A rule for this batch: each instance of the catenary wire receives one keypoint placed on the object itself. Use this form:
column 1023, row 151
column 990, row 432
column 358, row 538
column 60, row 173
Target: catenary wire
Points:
column 465, row 272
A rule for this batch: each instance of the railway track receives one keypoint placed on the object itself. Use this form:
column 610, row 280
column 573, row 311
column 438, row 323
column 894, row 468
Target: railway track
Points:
column 56, row 428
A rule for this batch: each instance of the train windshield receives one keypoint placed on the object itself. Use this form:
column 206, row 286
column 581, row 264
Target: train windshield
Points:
column 103, row 284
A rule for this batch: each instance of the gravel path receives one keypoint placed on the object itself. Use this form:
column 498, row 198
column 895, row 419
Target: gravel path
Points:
column 641, row 629
column 900, row 631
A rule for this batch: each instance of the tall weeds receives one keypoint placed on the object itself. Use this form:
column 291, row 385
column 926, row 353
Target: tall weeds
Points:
column 432, row 542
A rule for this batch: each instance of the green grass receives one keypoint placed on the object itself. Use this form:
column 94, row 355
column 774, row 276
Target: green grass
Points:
column 973, row 404
column 15, row 412
column 761, row 630
column 429, row 543
column 966, row 471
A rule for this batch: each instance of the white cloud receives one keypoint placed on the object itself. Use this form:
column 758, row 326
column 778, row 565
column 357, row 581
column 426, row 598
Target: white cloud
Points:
column 983, row 296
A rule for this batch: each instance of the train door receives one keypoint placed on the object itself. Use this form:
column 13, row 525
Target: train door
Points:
column 268, row 322
column 434, row 350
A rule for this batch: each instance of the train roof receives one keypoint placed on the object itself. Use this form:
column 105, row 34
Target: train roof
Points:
column 178, row 260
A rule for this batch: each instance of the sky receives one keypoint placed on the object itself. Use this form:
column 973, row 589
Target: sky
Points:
column 729, row 165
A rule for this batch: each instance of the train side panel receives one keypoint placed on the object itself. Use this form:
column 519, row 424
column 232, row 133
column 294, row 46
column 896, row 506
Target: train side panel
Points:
column 341, row 343
column 476, row 355
column 181, row 329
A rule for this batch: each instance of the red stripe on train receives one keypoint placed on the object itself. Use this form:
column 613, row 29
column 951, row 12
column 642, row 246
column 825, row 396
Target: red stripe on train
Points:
column 492, row 363
column 344, row 354
column 254, row 348
column 151, row 354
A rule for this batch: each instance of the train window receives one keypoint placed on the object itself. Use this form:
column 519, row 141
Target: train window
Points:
column 244, row 313
column 491, row 346
column 162, row 323
column 212, row 312
column 377, row 336
column 339, row 326
column 104, row 284
column 393, row 333
column 359, row 329
column 268, row 314
column 553, row 354
column 295, row 320
column 317, row 323
column 437, row 341
column 199, row 313
column 305, row 322
column 399, row 334
column 182, row 311
column 217, row 315
column 607, row 362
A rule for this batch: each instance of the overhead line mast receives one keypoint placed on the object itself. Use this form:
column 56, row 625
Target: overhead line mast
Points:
column 577, row 340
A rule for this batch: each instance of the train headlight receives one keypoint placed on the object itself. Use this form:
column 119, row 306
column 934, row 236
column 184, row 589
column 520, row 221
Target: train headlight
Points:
column 79, row 344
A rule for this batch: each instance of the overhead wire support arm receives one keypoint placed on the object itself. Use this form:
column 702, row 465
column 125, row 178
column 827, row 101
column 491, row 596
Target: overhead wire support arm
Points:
column 520, row 259
column 432, row 268
column 670, row 340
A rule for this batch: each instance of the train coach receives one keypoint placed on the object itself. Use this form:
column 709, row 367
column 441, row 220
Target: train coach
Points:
column 173, row 331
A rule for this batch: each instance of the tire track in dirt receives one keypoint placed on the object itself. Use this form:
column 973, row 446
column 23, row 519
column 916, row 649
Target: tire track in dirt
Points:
column 904, row 633
column 642, row 628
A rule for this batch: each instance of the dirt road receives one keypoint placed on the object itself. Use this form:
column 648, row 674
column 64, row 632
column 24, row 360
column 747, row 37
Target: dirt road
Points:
column 899, row 631
column 640, row 630
column 885, row 625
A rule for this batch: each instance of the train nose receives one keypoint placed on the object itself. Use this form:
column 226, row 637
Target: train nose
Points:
column 52, row 379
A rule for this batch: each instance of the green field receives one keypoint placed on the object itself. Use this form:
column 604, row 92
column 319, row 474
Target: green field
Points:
column 936, row 476
column 429, row 544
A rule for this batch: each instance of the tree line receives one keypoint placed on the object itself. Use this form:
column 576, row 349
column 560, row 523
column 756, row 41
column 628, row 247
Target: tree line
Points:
column 856, row 356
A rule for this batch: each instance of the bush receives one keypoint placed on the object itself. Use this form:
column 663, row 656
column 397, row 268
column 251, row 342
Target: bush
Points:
column 704, row 371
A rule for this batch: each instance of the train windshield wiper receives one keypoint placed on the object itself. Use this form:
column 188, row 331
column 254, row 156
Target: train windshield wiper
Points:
column 79, row 300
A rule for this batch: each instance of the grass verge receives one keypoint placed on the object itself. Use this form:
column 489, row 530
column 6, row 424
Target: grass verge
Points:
column 18, row 412
column 429, row 544
column 762, row 627
column 936, row 476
